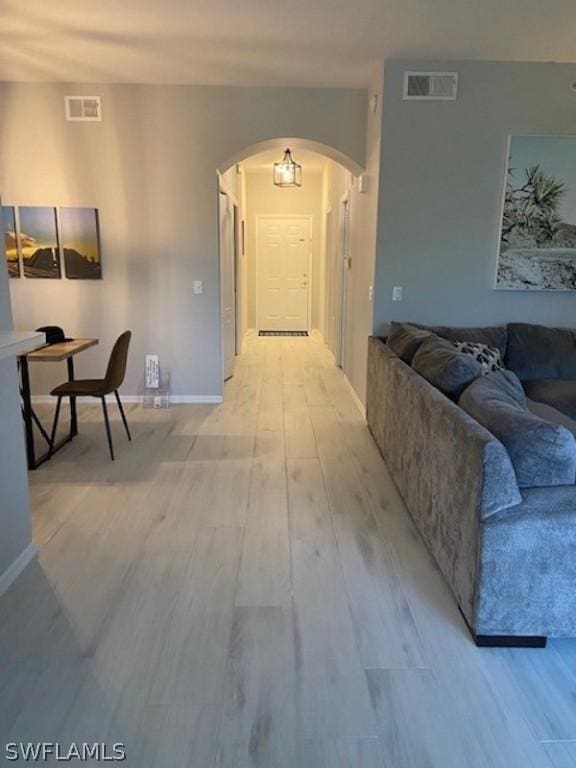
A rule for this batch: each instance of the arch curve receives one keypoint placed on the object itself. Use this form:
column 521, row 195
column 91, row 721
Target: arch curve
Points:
column 281, row 143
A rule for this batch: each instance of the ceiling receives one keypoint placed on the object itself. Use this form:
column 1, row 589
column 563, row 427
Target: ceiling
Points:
column 302, row 42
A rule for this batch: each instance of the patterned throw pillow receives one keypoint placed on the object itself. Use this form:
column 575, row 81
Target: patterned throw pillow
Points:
column 489, row 357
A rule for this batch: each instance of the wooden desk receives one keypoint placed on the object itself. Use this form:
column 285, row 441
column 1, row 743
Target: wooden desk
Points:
column 64, row 350
column 49, row 353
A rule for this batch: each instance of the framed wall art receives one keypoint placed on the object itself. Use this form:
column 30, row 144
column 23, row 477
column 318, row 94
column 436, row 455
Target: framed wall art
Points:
column 537, row 247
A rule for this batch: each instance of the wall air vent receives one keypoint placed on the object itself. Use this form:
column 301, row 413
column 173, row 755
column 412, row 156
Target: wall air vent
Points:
column 430, row 86
column 85, row 108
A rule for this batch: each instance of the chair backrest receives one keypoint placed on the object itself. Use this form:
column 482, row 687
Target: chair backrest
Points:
column 117, row 364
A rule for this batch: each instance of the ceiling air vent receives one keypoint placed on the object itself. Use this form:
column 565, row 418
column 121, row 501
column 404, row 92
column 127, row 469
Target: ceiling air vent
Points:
column 437, row 86
column 86, row 108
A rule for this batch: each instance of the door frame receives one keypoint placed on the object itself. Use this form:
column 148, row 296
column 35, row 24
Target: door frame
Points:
column 237, row 267
column 309, row 217
column 232, row 203
column 344, row 261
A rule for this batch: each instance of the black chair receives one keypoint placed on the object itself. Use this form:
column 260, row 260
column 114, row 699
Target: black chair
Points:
column 99, row 388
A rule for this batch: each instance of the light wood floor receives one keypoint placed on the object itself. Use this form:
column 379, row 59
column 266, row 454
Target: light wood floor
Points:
column 243, row 587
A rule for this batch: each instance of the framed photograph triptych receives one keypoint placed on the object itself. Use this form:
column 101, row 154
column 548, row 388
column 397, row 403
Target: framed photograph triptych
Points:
column 38, row 240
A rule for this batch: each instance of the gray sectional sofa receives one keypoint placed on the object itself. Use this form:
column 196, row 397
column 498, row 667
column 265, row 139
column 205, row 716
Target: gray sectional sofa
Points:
column 485, row 460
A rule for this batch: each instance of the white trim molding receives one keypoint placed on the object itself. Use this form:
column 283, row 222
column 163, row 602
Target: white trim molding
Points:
column 175, row 399
column 359, row 404
column 15, row 569
column 196, row 399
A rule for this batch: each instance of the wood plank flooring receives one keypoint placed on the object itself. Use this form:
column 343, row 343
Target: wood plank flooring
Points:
column 243, row 587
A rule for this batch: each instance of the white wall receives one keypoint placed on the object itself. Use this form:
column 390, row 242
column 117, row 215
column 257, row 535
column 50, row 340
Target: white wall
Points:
column 16, row 533
column 364, row 213
column 263, row 198
column 150, row 168
column 442, row 177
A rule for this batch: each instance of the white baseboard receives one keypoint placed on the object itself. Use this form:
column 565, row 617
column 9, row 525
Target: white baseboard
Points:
column 13, row 571
column 176, row 399
column 359, row 404
column 198, row 399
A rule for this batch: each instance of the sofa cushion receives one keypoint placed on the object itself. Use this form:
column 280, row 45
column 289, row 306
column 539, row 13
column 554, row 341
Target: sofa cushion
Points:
column 440, row 363
column 404, row 340
column 493, row 336
column 558, row 393
column 489, row 357
column 542, row 453
column 538, row 352
column 549, row 413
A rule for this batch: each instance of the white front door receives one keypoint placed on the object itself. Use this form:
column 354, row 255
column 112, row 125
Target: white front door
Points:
column 284, row 249
column 227, row 284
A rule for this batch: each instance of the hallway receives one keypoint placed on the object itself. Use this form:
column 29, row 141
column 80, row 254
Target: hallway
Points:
column 243, row 587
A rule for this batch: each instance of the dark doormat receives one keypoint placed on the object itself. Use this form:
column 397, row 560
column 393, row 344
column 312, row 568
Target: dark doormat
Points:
column 282, row 333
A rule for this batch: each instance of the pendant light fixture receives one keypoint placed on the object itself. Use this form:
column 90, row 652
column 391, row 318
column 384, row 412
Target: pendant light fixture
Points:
column 287, row 173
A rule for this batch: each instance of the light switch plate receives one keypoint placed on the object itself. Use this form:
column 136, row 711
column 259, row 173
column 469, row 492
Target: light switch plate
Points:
column 397, row 293
column 198, row 287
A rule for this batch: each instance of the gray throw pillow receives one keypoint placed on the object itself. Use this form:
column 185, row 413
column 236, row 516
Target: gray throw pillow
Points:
column 440, row 363
column 542, row 453
column 404, row 340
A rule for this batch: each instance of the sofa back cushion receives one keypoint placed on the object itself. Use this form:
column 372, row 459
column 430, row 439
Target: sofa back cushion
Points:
column 538, row 352
column 440, row 363
column 404, row 340
column 493, row 336
column 542, row 453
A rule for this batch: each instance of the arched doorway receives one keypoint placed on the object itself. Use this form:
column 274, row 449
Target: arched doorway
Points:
column 294, row 143
column 288, row 257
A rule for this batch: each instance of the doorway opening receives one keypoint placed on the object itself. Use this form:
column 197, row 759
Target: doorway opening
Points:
column 285, row 252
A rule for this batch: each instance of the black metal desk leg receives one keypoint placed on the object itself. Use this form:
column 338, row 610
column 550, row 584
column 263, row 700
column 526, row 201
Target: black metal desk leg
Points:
column 73, row 414
column 27, row 412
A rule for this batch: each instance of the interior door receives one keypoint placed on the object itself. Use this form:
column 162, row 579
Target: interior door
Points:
column 284, row 250
column 227, row 284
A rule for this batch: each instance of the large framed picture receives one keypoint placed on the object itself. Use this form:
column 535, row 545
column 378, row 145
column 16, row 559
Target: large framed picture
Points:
column 537, row 249
column 38, row 236
column 8, row 220
column 80, row 239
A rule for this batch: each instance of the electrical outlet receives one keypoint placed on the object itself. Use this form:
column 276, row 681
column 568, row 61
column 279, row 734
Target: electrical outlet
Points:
column 370, row 293
column 198, row 287
column 397, row 293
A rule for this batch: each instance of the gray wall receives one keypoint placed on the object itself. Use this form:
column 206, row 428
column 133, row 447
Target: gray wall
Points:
column 150, row 167
column 15, row 530
column 441, row 182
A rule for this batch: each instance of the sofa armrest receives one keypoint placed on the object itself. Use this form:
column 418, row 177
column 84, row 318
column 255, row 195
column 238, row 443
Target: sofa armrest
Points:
column 528, row 569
